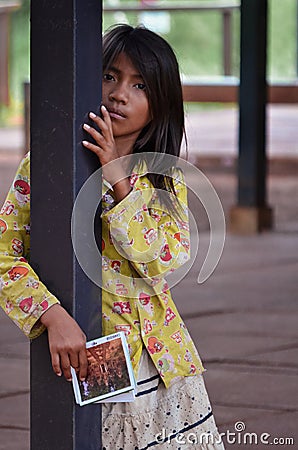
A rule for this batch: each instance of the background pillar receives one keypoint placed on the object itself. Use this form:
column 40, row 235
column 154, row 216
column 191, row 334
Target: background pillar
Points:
column 252, row 214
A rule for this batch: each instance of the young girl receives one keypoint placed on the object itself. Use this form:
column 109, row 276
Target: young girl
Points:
column 141, row 113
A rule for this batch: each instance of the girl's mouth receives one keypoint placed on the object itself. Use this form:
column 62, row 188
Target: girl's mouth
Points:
column 116, row 115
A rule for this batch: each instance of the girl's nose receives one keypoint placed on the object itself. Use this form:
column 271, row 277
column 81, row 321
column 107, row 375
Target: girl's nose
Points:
column 119, row 94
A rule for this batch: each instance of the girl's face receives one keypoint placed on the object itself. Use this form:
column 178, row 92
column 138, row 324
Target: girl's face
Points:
column 124, row 95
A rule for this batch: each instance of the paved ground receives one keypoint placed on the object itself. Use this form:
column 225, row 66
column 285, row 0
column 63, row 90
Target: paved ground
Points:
column 243, row 318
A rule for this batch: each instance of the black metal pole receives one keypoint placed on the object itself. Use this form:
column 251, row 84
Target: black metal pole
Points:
column 26, row 91
column 65, row 85
column 253, row 97
column 252, row 213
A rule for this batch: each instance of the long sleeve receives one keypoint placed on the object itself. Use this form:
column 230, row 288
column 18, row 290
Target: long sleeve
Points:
column 155, row 241
column 23, row 296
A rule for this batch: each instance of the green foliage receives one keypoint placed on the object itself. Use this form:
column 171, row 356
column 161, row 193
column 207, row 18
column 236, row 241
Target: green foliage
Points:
column 282, row 39
column 19, row 63
column 20, row 49
column 199, row 50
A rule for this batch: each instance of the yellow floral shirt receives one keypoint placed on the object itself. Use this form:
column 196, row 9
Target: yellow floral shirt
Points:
column 23, row 296
column 141, row 243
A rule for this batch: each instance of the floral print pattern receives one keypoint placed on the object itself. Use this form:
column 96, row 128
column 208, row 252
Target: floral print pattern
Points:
column 23, row 296
column 141, row 244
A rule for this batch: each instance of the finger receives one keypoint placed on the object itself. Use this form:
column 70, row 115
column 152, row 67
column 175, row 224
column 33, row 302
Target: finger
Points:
column 98, row 137
column 107, row 119
column 94, row 148
column 83, row 364
column 74, row 361
column 106, row 116
column 56, row 363
column 104, row 123
column 65, row 364
column 100, row 122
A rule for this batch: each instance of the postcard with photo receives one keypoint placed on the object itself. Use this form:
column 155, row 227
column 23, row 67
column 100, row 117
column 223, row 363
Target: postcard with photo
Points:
column 110, row 376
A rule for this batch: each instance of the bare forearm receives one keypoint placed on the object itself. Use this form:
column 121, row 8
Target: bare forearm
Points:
column 121, row 189
column 52, row 314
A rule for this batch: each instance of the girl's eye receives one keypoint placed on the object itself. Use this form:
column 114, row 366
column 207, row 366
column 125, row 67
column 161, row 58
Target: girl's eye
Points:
column 108, row 77
column 140, row 86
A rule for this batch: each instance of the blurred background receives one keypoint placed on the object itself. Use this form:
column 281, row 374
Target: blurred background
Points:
column 199, row 50
column 208, row 52
column 244, row 317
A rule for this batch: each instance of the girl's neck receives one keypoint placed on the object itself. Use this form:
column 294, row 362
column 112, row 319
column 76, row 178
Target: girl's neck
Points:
column 124, row 145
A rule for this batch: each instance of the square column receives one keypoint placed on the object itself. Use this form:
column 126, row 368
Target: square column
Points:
column 252, row 214
column 65, row 85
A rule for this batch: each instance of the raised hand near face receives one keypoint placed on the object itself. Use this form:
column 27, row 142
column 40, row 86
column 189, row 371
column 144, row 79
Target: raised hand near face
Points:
column 105, row 147
column 106, row 150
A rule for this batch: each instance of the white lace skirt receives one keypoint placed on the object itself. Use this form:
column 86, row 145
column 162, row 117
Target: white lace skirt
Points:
column 179, row 417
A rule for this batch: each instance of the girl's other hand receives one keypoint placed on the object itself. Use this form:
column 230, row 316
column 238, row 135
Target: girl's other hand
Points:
column 67, row 343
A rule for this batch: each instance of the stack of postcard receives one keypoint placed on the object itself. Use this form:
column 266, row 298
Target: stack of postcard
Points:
column 110, row 376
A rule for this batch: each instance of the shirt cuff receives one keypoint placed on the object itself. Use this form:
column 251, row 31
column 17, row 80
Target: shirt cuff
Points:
column 33, row 327
column 129, row 206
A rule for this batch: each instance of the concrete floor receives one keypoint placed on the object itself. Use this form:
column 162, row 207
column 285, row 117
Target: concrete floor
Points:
column 243, row 318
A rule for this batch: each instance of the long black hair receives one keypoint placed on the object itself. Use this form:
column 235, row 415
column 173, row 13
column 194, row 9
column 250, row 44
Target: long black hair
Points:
column 156, row 62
